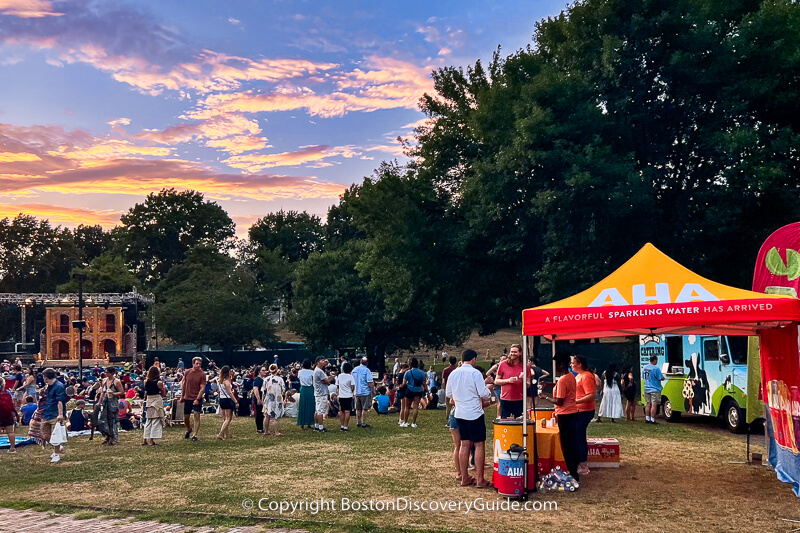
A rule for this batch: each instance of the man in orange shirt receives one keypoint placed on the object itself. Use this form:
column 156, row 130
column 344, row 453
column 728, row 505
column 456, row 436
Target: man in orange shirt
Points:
column 585, row 397
column 566, row 412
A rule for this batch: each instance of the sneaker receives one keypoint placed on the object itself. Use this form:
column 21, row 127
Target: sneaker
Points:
column 413, row 425
column 12, row 451
column 365, row 426
column 52, row 455
column 194, row 439
column 187, row 435
column 323, row 430
column 55, row 459
column 582, row 471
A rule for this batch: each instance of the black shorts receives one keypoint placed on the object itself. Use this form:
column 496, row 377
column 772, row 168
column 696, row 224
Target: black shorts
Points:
column 226, row 403
column 411, row 394
column 346, row 404
column 509, row 408
column 189, row 406
column 400, row 394
column 472, row 430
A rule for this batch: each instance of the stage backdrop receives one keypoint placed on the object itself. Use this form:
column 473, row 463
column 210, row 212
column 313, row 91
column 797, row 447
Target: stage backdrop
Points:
column 778, row 272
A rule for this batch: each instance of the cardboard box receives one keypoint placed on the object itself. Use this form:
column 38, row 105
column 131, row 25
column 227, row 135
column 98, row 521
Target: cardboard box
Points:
column 603, row 453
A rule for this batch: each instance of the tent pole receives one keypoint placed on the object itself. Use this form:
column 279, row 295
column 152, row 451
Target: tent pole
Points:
column 553, row 346
column 525, row 405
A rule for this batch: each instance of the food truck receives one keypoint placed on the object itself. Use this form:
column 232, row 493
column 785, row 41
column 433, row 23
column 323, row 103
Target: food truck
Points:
column 704, row 375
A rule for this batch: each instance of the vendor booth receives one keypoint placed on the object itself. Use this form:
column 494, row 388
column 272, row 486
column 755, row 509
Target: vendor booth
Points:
column 651, row 294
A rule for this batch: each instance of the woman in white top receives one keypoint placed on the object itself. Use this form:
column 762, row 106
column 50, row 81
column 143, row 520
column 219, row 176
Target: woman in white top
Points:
column 346, row 388
column 290, row 404
column 305, row 412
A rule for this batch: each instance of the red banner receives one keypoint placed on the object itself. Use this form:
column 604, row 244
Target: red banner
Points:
column 778, row 272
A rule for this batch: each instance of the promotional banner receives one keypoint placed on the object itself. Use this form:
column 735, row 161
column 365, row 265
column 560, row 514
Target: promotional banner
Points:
column 778, row 272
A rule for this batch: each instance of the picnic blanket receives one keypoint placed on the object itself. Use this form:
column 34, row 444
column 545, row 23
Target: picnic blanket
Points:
column 19, row 441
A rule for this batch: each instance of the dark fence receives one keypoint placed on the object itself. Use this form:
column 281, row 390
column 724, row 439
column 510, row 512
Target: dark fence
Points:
column 287, row 353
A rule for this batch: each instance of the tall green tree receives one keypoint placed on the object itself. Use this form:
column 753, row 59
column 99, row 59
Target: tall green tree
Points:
column 208, row 299
column 34, row 256
column 157, row 234
column 293, row 235
column 105, row 273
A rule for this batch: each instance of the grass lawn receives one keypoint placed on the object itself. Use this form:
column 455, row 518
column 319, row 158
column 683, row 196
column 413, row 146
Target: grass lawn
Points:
column 673, row 477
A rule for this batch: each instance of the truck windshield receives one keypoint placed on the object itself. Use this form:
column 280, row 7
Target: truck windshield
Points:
column 738, row 346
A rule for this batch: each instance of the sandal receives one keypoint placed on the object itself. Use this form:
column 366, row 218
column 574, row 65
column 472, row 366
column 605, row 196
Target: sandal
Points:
column 470, row 482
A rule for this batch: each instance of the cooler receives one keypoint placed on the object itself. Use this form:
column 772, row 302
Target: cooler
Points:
column 603, row 453
column 509, row 478
column 549, row 453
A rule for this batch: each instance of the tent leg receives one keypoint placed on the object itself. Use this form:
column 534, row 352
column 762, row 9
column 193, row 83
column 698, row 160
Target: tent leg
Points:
column 553, row 346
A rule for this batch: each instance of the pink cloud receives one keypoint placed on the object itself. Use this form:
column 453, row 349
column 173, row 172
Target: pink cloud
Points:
column 310, row 154
column 387, row 84
column 28, row 8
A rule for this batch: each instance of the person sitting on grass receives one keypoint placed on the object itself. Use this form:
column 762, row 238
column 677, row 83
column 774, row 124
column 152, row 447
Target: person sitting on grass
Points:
column 290, row 404
column 430, row 400
column 381, row 402
column 28, row 409
column 76, row 420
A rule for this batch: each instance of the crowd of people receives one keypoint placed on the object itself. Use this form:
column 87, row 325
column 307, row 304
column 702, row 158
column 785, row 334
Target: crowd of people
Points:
column 130, row 396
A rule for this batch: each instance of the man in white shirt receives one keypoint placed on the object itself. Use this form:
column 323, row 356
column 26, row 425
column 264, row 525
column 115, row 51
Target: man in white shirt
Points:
column 467, row 388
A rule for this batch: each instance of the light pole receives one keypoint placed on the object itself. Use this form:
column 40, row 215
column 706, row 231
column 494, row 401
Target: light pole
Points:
column 80, row 277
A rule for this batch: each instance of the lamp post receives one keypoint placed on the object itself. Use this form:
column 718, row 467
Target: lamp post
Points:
column 80, row 277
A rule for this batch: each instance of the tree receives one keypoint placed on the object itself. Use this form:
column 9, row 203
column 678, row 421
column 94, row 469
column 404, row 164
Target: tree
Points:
column 208, row 299
column 34, row 256
column 293, row 235
column 93, row 241
column 158, row 233
column 106, row 273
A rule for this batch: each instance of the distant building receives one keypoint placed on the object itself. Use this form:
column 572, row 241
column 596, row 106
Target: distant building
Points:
column 106, row 336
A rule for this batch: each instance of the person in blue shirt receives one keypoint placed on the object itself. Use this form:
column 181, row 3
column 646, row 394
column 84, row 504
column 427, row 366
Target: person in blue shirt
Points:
column 365, row 386
column 27, row 410
column 652, row 377
column 381, row 402
column 54, row 409
column 415, row 381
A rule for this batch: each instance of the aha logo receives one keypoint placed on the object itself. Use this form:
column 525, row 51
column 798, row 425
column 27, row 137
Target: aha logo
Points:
column 691, row 292
column 790, row 269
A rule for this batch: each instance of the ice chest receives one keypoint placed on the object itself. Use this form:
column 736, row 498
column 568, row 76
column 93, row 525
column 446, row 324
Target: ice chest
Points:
column 603, row 453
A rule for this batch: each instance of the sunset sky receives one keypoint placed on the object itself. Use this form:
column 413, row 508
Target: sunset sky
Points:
column 258, row 104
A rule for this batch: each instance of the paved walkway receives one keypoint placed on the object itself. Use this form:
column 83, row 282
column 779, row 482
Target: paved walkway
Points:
column 35, row 521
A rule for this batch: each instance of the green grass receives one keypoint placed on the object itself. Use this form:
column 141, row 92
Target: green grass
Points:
column 204, row 483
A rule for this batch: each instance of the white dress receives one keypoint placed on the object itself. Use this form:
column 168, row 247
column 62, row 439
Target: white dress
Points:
column 611, row 404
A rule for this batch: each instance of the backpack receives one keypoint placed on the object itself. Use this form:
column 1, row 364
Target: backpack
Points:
column 6, row 403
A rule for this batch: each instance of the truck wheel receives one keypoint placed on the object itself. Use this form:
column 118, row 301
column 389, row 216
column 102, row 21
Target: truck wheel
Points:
column 734, row 417
column 669, row 413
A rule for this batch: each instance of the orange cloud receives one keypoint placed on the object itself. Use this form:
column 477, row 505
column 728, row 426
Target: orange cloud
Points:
column 28, row 8
column 309, row 154
column 13, row 157
column 62, row 216
column 119, row 167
